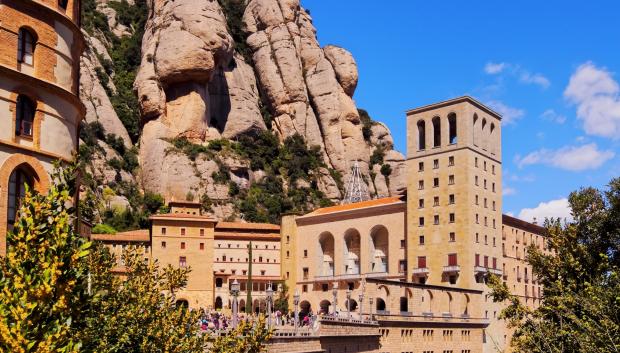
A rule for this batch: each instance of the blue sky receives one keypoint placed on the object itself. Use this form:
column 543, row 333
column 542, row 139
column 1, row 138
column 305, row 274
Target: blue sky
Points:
column 551, row 67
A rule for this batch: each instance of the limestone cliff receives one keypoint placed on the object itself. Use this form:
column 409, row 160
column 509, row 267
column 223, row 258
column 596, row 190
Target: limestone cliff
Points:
column 238, row 71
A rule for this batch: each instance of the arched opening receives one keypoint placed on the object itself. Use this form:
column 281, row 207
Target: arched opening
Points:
column 465, row 305
column 242, row 305
column 449, row 303
column 218, row 303
column 427, row 302
column 452, row 128
column 475, row 134
column 24, row 116
column 218, row 282
column 19, row 178
column 436, row 131
column 421, row 135
column 492, row 139
column 379, row 249
column 353, row 304
column 324, row 306
column 484, row 134
column 326, row 254
column 305, row 308
column 182, row 303
column 380, row 307
column 26, row 41
column 352, row 252
column 63, row 4
column 404, row 304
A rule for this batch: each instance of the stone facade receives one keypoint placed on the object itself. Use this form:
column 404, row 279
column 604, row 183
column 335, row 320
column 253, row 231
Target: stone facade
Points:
column 40, row 45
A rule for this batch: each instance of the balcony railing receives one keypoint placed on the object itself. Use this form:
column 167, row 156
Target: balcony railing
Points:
column 452, row 269
column 421, row 271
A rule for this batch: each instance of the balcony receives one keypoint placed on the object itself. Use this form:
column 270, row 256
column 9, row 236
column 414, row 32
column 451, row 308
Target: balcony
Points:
column 480, row 269
column 452, row 269
column 496, row 271
column 421, row 271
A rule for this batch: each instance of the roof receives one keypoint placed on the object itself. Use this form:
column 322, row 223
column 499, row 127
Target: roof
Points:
column 521, row 224
column 246, row 226
column 184, row 203
column 183, row 217
column 356, row 205
column 140, row 235
column 452, row 102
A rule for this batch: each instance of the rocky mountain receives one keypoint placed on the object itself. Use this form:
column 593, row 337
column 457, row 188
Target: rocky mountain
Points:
column 230, row 102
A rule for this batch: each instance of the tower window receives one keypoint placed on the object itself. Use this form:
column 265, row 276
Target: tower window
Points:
column 452, row 236
column 421, row 203
column 436, row 132
column 451, row 180
column 452, row 128
column 421, row 135
column 63, row 4
column 436, row 201
column 421, row 221
column 421, row 185
column 421, row 240
column 24, row 116
column 25, row 47
column 435, row 163
column 452, row 217
column 421, row 167
column 451, row 161
column 436, row 219
column 451, row 199
column 182, row 261
column 436, row 182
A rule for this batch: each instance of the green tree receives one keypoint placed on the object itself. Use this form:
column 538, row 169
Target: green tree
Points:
column 248, row 337
column 580, row 309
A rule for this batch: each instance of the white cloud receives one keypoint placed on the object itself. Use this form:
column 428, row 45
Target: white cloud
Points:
column 509, row 114
column 551, row 115
column 511, row 214
column 552, row 209
column 571, row 158
column 596, row 95
column 494, row 68
column 536, row 79
column 507, row 191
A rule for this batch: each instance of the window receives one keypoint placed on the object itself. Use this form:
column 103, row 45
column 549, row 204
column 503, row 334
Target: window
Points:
column 477, row 219
column 218, row 282
column 202, row 233
column 421, row 261
column 436, row 131
column 486, row 262
column 450, row 161
column 485, row 184
column 436, row 201
column 402, row 265
column 421, row 203
column 477, row 238
column 24, row 116
column 288, row 239
column 288, row 254
column 202, row 246
column 452, row 237
column 421, row 221
column 163, row 231
column 494, row 243
column 63, row 4
column 435, row 182
column 421, row 135
column 421, row 240
column 485, row 240
column 477, row 260
column 451, row 199
column 182, row 245
column 485, row 202
column 494, row 263
column 436, row 219
column 182, row 261
column 182, row 231
column 493, row 187
column 493, row 169
column 486, row 221
column 494, row 223
column 16, row 192
column 163, row 244
column 421, row 167
column 435, row 163
column 451, row 180
column 452, row 137
column 305, row 253
column 402, row 243
column 452, row 218
column 452, row 260
column 493, row 205
column 421, row 185
column 262, row 272
column 260, row 259
column 476, row 180
column 477, row 200
column 305, row 273
column 476, row 162
column 25, row 47
column 485, row 165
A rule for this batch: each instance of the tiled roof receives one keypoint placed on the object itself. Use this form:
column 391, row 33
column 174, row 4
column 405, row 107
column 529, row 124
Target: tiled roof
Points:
column 521, row 224
column 356, row 205
column 140, row 235
column 248, row 226
column 185, row 216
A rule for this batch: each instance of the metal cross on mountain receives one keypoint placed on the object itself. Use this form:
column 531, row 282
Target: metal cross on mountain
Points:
column 356, row 189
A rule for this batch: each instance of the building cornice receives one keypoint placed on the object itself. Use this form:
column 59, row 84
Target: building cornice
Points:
column 51, row 87
column 454, row 101
column 442, row 151
column 422, row 286
column 369, row 211
column 27, row 150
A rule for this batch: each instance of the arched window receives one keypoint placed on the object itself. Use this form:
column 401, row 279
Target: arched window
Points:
column 326, row 254
column 16, row 192
column 379, row 250
column 352, row 252
column 476, row 134
column 421, row 135
column 380, row 306
column 404, row 304
column 452, row 128
column 218, row 303
column 218, row 282
column 493, row 139
column 63, row 4
column 25, row 46
column 436, row 132
column 24, row 116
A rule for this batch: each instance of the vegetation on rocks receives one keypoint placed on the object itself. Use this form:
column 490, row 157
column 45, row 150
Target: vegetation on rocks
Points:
column 580, row 274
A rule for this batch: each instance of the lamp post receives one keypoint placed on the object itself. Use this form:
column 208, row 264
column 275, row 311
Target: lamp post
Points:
column 234, row 291
column 335, row 301
column 361, row 297
column 370, row 301
column 349, row 303
column 269, row 303
column 296, row 303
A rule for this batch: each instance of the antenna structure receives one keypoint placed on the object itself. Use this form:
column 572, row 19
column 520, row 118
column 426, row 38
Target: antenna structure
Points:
column 356, row 189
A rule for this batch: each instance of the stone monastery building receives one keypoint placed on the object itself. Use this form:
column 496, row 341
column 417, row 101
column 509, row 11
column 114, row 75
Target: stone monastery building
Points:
column 416, row 262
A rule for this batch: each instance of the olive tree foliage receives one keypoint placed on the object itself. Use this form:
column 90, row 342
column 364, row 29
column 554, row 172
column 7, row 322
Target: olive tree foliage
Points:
column 580, row 308
column 60, row 293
